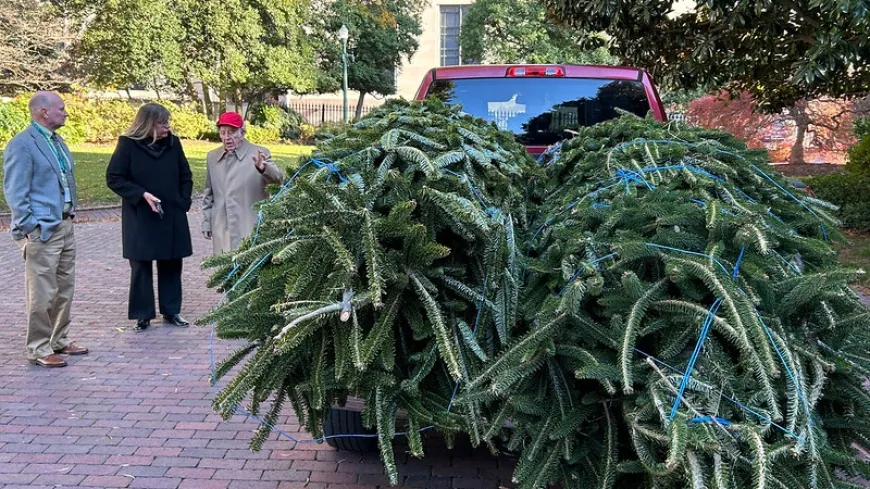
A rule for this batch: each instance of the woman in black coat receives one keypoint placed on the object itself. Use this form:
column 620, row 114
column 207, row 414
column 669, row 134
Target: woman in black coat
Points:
column 150, row 172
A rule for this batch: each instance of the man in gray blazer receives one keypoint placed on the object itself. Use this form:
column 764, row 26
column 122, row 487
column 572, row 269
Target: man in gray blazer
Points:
column 40, row 190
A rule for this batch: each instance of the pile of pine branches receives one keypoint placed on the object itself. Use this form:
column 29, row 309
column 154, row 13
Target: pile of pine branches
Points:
column 365, row 276
column 707, row 337
column 649, row 306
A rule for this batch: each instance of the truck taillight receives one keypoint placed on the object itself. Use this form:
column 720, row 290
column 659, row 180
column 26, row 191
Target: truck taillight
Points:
column 517, row 71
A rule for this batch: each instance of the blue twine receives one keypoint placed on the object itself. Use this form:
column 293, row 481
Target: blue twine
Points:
column 739, row 260
column 332, row 167
column 627, row 176
column 681, row 166
column 676, row 143
column 734, row 401
column 654, row 245
column 583, row 267
column 492, row 211
column 710, row 419
column 792, row 197
column 705, row 328
column 554, row 150
column 787, row 369
column 757, row 169
column 257, row 227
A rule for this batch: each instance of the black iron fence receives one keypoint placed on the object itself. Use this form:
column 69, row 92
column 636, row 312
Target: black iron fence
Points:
column 319, row 113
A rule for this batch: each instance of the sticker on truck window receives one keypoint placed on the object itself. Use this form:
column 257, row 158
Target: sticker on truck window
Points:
column 502, row 112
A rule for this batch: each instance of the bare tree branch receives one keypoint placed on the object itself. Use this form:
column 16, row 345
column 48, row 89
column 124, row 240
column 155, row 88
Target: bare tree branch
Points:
column 34, row 46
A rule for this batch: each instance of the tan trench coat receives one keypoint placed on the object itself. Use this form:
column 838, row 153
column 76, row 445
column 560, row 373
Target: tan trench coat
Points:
column 232, row 187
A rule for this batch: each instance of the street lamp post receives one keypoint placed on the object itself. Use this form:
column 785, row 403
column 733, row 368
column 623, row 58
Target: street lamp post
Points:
column 343, row 34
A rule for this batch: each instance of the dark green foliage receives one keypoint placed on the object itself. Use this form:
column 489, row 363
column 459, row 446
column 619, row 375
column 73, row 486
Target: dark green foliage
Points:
column 850, row 191
column 636, row 264
column 862, row 127
column 859, row 156
column 364, row 271
column 780, row 51
column 420, row 247
column 280, row 118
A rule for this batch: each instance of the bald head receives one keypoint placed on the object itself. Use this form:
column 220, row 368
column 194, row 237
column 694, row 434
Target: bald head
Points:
column 47, row 109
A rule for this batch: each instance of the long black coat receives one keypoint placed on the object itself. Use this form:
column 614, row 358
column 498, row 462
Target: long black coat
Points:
column 162, row 169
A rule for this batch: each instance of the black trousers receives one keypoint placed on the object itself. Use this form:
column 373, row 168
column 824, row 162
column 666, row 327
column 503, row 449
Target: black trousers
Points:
column 141, row 304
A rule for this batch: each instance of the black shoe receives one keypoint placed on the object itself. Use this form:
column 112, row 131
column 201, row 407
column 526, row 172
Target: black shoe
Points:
column 142, row 324
column 176, row 320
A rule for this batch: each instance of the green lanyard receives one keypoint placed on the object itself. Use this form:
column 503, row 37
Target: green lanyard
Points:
column 59, row 154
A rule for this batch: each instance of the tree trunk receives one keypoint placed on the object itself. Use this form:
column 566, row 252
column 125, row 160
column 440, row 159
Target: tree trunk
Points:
column 802, row 123
column 193, row 94
column 222, row 103
column 239, row 102
column 129, row 95
column 359, row 106
column 796, row 157
column 206, row 97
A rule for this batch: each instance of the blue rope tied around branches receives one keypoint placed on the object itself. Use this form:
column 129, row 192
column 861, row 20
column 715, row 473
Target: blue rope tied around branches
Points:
column 788, row 370
column 493, row 212
column 584, row 266
column 705, row 328
column 554, row 150
column 744, row 407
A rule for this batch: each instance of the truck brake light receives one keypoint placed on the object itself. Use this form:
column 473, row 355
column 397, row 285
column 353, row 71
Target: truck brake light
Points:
column 516, row 71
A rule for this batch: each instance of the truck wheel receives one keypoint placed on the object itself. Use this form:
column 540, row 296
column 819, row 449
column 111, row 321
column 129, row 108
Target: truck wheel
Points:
column 343, row 422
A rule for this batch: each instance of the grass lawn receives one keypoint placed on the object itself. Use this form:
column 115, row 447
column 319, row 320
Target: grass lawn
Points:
column 858, row 254
column 91, row 161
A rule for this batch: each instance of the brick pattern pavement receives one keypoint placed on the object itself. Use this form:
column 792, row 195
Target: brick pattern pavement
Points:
column 136, row 411
column 82, row 215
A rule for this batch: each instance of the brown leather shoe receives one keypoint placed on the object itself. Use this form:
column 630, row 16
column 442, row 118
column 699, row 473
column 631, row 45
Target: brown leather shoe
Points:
column 50, row 361
column 72, row 349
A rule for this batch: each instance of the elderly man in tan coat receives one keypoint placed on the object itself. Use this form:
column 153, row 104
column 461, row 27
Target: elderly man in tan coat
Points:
column 236, row 177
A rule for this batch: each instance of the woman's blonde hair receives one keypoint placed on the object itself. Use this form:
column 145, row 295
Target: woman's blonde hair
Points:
column 147, row 119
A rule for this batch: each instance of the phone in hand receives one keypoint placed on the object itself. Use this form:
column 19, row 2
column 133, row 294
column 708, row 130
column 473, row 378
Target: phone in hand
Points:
column 159, row 209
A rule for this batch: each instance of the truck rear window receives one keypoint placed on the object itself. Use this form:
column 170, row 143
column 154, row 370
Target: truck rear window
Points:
column 539, row 110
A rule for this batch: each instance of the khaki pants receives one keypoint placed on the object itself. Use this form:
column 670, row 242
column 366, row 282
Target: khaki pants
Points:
column 49, row 281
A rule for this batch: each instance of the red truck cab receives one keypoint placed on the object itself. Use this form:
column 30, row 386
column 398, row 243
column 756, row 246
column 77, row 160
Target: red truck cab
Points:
column 542, row 104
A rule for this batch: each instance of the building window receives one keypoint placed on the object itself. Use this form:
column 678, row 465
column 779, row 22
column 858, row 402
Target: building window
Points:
column 451, row 22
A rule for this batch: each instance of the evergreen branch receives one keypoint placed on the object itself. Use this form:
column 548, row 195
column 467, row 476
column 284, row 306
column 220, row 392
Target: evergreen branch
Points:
column 608, row 471
column 519, row 349
column 380, row 333
column 448, row 353
column 330, row 308
column 373, row 261
column 638, row 311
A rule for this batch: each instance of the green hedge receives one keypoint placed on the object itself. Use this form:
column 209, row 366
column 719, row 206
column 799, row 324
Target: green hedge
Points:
column 97, row 121
column 850, row 191
column 859, row 156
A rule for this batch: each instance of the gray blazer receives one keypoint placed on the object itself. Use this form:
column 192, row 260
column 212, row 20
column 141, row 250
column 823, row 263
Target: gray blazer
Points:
column 32, row 184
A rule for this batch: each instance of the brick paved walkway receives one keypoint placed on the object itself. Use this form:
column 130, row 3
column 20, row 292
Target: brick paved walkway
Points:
column 136, row 411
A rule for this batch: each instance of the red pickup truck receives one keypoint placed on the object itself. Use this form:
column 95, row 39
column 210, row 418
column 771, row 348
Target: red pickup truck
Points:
column 541, row 104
